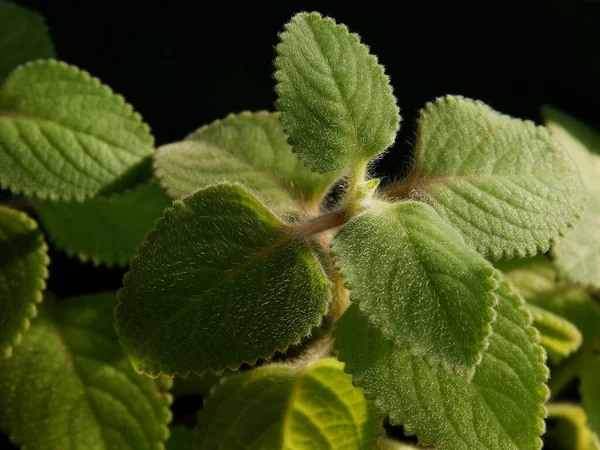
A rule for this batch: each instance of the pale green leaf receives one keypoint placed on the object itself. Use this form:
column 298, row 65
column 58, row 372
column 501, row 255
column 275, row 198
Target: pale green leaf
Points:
column 70, row 386
column 560, row 337
column 571, row 431
column 335, row 100
column 288, row 407
column 502, row 407
column 181, row 438
column 417, row 281
column 220, row 281
column 66, row 136
column 250, row 148
column 386, row 443
column 577, row 256
column 590, row 391
column 23, row 38
column 105, row 229
column 23, row 271
column 506, row 184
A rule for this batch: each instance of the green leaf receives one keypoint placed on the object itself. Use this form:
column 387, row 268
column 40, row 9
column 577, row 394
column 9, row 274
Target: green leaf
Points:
column 181, row 439
column 220, row 281
column 502, row 406
column 590, row 391
column 23, row 271
column 250, row 148
column 23, row 38
column 560, row 337
column 577, row 256
column 70, row 386
column 335, row 100
column 415, row 279
column 106, row 230
column 385, row 443
column 504, row 183
column 282, row 406
column 66, row 136
column 570, row 431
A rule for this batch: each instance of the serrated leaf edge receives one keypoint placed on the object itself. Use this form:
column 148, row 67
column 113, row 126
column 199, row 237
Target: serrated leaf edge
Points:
column 156, row 370
column 38, row 284
column 426, row 438
column 47, row 195
column 277, row 78
column 491, row 282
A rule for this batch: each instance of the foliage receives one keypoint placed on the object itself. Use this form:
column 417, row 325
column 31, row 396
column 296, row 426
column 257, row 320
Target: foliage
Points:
column 457, row 303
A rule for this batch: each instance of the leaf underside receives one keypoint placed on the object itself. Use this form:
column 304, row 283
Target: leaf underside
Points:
column 105, row 229
column 23, row 271
column 23, row 37
column 69, row 384
column 335, row 100
column 249, row 148
column 281, row 406
column 577, row 256
column 504, row 183
column 417, row 281
column 218, row 268
column 501, row 407
column 65, row 136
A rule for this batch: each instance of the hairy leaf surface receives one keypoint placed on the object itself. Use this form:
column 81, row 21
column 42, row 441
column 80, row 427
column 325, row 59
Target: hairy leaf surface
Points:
column 502, row 407
column 105, row 229
column 23, row 38
column 220, row 281
column 577, row 256
column 560, row 337
column 250, row 148
column 69, row 384
column 417, row 281
column 23, row 271
column 335, row 100
column 504, row 183
column 282, row 406
column 66, row 136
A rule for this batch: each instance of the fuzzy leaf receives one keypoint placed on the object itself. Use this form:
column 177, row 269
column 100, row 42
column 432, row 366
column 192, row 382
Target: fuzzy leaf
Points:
column 577, row 256
column 504, row 183
column 571, row 431
column 106, row 230
column 502, row 407
column 590, row 391
column 65, row 136
column 23, row 38
column 23, row 271
column 250, row 148
column 560, row 337
column 218, row 268
column 286, row 407
column 335, row 100
column 415, row 279
column 69, row 384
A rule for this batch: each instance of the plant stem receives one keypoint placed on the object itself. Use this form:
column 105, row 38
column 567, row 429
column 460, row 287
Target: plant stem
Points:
column 355, row 181
column 319, row 224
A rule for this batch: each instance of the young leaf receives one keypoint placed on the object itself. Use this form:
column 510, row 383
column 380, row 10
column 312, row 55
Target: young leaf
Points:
column 590, row 392
column 335, row 100
column 69, row 385
column 560, row 337
column 504, row 183
column 23, row 271
column 577, row 256
column 106, row 230
column 23, row 38
column 220, row 281
column 386, row 443
column 415, row 279
column 571, row 431
column 65, row 136
column 250, row 148
column 502, row 407
column 282, row 406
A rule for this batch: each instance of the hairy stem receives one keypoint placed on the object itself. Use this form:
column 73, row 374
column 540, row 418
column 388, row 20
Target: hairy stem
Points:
column 319, row 224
